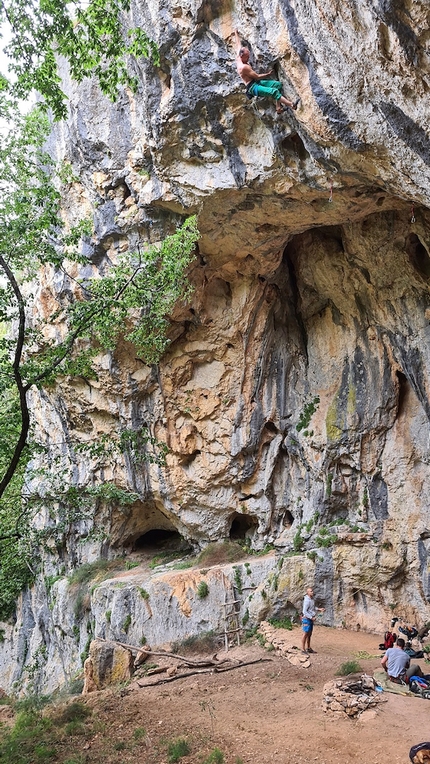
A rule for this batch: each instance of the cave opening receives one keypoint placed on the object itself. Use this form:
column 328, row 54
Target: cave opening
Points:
column 158, row 538
column 403, row 390
column 418, row 255
column 288, row 519
column 242, row 526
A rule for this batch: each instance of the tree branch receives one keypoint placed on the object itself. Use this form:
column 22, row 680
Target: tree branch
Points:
column 22, row 389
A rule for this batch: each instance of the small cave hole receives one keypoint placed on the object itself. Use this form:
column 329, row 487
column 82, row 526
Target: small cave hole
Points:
column 418, row 255
column 187, row 459
column 270, row 427
column 288, row 519
column 293, row 145
column 403, row 391
column 242, row 526
column 158, row 538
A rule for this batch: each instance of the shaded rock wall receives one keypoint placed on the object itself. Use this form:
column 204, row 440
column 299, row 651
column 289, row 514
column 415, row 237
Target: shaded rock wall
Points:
column 294, row 397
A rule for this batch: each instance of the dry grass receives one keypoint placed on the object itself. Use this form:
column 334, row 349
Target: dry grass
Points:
column 221, row 552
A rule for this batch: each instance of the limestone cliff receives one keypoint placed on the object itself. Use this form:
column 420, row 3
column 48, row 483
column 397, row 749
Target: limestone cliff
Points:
column 294, row 397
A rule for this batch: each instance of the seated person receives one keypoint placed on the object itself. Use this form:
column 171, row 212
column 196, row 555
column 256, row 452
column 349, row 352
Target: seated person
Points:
column 397, row 663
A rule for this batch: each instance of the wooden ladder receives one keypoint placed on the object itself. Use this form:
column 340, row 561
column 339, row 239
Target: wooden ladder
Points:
column 231, row 607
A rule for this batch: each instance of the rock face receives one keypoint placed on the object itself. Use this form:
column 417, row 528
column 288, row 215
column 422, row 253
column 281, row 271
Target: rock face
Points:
column 294, row 397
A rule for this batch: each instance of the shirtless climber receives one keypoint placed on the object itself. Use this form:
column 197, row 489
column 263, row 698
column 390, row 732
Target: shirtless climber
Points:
column 271, row 88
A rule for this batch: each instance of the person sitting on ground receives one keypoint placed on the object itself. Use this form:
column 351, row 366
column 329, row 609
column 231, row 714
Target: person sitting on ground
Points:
column 396, row 663
column 271, row 88
column 308, row 618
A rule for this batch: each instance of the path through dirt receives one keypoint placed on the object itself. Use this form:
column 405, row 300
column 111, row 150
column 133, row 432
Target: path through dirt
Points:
column 265, row 713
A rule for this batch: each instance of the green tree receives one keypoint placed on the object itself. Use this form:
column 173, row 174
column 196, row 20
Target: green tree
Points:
column 92, row 36
column 133, row 300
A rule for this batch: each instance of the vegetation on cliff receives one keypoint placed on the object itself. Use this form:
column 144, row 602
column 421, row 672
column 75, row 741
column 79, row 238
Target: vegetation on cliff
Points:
column 37, row 344
column 90, row 36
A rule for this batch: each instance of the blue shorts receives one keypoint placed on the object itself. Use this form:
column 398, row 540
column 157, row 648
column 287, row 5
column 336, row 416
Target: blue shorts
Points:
column 307, row 625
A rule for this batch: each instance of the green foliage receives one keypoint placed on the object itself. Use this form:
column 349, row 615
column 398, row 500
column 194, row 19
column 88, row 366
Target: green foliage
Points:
column 238, row 583
column 298, row 540
column 141, row 290
column 281, row 623
column 177, row 749
column 137, row 293
column 206, row 641
column 215, row 757
column 246, row 546
column 73, row 712
column 139, row 733
column 127, row 623
column 143, row 593
column 349, row 667
column 328, row 485
column 324, row 540
column 93, row 570
column 202, row 590
column 163, row 558
column 108, row 616
column 307, row 413
column 130, row 564
column 89, row 36
column 33, row 737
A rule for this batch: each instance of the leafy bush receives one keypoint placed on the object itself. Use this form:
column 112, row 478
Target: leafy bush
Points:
column 202, row 590
column 215, row 757
column 281, row 623
column 205, row 642
column 177, row 749
column 349, row 667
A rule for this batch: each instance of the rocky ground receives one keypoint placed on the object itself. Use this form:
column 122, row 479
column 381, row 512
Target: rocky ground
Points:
column 266, row 712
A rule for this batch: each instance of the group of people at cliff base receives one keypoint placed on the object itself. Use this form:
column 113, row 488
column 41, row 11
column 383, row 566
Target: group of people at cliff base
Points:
column 396, row 662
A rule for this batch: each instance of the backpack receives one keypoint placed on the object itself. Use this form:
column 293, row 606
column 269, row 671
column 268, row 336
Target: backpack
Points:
column 409, row 631
column 420, row 686
column 389, row 640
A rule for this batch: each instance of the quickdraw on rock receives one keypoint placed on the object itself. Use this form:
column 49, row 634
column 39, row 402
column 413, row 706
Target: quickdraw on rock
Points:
column 331, row 192
column 412, row 215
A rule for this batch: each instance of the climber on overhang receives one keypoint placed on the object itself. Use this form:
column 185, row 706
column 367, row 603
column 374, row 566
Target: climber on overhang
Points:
column 252, row 80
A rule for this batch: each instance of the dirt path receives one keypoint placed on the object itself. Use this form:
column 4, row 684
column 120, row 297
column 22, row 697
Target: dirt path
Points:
column 264, row 713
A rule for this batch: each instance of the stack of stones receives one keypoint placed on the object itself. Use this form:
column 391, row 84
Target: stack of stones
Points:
column 283, row 644
column 350, row 696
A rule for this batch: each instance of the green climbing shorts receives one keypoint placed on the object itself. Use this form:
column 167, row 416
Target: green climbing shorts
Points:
column 271, row 88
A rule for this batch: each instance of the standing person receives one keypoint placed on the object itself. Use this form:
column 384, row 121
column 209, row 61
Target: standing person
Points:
column 396, row 663
column 308, row 618
column 271, row 88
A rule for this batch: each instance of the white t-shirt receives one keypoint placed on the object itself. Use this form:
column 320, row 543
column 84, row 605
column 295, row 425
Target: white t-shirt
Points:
column 309, row 609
